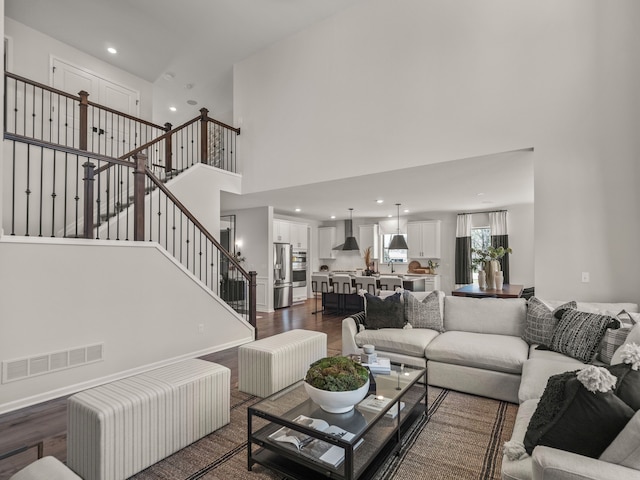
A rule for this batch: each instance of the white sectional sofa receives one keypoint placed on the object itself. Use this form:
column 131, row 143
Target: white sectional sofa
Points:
column 480, row 350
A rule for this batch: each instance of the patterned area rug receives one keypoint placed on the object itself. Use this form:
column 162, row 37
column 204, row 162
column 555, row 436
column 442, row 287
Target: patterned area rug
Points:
column 460, row 438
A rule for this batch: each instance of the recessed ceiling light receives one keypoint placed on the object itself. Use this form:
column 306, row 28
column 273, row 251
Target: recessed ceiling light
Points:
column 480, row 194
column 169, row 76
column 297, row 210
column 112, row 50
column 390, row 216
column 406, row 210
column 380, row 201
column 173, row 109
column 192, row 102
column 333, row 217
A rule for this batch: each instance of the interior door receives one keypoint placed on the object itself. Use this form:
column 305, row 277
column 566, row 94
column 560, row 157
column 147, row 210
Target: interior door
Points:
column 109, row 134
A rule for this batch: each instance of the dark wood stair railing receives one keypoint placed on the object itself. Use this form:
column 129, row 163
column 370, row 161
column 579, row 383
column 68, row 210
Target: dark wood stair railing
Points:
column 55, row 168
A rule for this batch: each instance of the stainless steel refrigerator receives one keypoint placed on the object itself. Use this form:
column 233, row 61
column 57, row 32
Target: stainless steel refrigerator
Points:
column 282, row 276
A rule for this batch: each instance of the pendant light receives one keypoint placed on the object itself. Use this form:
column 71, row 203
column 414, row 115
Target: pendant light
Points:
column 350, row 243
column 397, row 241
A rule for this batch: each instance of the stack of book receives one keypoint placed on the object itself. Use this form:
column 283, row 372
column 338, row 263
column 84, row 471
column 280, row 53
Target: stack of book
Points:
column 375, row 404
column 381, row 366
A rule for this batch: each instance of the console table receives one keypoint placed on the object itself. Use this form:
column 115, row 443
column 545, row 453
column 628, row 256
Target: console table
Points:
column 473, row 290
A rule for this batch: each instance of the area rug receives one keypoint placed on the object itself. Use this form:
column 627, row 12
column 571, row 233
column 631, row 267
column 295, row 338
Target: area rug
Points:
column 460, row 438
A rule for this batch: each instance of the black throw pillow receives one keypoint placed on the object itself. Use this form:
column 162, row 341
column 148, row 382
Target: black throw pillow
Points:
column 571, row 418
column 627, row 385
column 383, row 313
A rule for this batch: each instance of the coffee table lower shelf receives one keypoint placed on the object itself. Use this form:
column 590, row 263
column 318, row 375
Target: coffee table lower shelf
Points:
column 297, row 471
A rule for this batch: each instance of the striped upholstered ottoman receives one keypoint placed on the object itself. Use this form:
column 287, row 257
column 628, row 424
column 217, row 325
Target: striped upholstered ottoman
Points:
column 268, row 365
column 120, row 428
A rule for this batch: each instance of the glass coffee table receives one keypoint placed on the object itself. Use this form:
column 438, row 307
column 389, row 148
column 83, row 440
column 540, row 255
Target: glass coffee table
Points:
column 290, row 434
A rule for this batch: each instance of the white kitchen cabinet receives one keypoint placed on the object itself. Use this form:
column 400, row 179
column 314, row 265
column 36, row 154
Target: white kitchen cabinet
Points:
column 370, row 237
column 326, row 242
column 298, row 235
column 431, row 283
column 281, row 231
column 423, row 239
column 299, row 294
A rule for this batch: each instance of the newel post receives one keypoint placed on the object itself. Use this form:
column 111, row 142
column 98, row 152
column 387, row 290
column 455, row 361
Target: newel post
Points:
column 204, row 135
column 84, row 122
column 168, row 150
column 252, row 301
column 88, row 198
column 138, row 196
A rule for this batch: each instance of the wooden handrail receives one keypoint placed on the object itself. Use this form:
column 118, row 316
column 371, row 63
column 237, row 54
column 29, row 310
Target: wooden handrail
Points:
column 222, row 124
column 74, row 97
column 65, row 149
column 41, row 85
column 158, row 183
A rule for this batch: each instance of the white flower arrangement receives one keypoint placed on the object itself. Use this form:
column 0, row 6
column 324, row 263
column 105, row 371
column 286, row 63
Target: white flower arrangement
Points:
column 596, row 379
column 631, row 355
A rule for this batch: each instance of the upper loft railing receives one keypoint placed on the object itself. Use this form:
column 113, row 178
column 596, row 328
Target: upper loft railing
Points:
column 39, row 112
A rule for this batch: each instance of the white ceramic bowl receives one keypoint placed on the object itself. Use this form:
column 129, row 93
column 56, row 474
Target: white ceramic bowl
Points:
column 337, row 402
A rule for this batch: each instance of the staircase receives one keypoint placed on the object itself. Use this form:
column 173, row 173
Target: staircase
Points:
column 66, row 182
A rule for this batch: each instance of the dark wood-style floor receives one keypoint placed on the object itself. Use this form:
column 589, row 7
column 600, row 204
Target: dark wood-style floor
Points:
column 46, row 422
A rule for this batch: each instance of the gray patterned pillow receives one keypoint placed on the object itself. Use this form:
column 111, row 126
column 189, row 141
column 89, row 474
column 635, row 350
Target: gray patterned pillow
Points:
column 578, row 334
column 541, row 321
column 425, row 313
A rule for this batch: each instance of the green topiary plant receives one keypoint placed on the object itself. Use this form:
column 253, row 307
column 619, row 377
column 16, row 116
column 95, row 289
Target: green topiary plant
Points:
column 336, row 374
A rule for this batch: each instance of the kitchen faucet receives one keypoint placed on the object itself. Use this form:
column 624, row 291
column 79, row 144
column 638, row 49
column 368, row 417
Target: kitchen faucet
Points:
column 391, row 265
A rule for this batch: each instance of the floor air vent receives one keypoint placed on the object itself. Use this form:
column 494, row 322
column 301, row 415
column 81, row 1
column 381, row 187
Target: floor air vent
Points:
column 50, row 362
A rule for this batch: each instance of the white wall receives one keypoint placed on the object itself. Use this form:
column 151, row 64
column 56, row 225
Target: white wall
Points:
column 198, row 188
column 422, row 81
column 31, row 54
column 254, row 227
column 64, row 294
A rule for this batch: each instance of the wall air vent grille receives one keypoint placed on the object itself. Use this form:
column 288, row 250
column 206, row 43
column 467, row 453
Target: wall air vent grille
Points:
column 22, row 368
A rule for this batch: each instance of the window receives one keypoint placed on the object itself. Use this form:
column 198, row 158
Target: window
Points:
column 396, row 256
column 480, row 239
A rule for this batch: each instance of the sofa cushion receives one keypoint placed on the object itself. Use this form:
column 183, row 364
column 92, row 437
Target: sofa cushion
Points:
column 499, row 316
column 625, row 448
column 540, row 351
column 536, row 373
column 570, row 417
column 500, row 353
column 408, row 342
column 425, row 313
column 520, row 469
column 627, row 386
column 541, row 321
column 578, row 334
column 383, row 312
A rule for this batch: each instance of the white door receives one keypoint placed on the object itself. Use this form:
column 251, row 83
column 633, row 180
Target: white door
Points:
column 109, row 135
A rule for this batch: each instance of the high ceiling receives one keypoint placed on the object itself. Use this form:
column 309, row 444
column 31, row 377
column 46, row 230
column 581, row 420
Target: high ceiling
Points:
column 174, row 43
column 196, row 42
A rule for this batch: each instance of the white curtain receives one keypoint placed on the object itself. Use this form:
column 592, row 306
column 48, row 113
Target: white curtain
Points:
column 498, row 222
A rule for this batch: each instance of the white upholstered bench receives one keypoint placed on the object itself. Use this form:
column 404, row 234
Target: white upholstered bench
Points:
column 120, row 428
column 268, row 365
